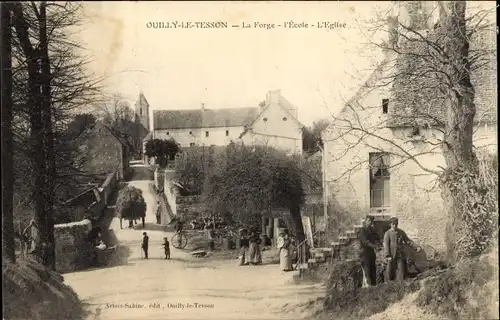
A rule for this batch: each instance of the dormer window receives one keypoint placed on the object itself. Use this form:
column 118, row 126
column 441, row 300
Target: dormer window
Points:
column 285, row 119
column 385, row 106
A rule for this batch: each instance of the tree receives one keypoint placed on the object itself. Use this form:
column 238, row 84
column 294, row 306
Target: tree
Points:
column 8, row 254
column 80, row 123
column 163, row 150
column 117, row 114
column 311, row 136
column 249, row 181
column 130, row 204
column 48, row 83
column 430, row 70
column 193, row 165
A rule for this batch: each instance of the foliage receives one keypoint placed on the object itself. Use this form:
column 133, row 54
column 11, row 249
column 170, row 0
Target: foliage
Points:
column 249, row 180
column 346, row 299
column 463, row 292
column 130, row 203
column 473, row 217
column 192, row 166
column 31, row 291
column 311, row 136
column 163, row 150
column 80, row 123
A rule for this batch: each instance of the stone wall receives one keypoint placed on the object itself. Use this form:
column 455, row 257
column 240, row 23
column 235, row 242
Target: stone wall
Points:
column 73, row 251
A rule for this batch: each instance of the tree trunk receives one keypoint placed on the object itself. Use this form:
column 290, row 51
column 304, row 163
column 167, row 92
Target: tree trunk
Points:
column 297, row 222
column 37, row 152
column 459, row 182
column 46, row 77
column 8, row 244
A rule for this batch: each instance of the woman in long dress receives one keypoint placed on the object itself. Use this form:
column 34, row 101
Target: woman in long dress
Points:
column 244, row 248
column 285, row 254
column 254, row 251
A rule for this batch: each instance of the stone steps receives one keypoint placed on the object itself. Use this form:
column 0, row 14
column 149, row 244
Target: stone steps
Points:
column 345, row 248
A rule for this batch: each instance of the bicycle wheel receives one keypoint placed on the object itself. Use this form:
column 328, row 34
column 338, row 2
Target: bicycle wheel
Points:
column 179, row 241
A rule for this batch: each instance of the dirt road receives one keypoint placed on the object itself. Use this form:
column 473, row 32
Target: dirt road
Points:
column 185, row 287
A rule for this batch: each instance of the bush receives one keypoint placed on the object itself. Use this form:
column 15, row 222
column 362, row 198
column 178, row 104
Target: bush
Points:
column 346, row 299
column 462, row 291
column 33, row 292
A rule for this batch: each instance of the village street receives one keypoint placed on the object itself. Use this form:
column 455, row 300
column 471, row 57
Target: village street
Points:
column 185, row 287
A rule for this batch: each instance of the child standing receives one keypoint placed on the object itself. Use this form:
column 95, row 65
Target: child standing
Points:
column 166, row 246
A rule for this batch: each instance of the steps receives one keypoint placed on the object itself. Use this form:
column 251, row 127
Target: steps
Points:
column 346, row 247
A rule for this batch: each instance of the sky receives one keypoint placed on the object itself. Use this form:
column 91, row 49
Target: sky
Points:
column 317, row 69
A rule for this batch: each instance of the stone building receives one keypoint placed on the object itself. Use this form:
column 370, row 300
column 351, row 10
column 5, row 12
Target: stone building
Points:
column 104, row 151
column 382, row 151
column 274, row 123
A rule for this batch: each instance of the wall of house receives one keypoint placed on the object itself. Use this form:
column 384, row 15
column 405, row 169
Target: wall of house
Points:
column 415, row 197
column 275, row 127
column 216, row 136
column 103, row 152
column 281, row 143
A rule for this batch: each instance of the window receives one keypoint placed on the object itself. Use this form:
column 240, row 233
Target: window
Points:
column 207, row 134
column 379, row 180
column 192, row 144
column 285, row 119
column 227, row 133
column 265, row 119
column 140, row 111
column 385, row 105
column 168, row 133
column 190, row 132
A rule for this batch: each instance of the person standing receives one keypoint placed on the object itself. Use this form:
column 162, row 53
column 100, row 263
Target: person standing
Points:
column 254, row 250
column 145, row 244
column 158, row 212
column 284, row 251
column 394, row 241
column 166, row 247
column 31, row 233
column 244, row 246
column 369, row 242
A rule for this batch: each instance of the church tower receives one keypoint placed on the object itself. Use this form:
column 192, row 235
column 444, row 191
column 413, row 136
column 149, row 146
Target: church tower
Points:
column 142, row 111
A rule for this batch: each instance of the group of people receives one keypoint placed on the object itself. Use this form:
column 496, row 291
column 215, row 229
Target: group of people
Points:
column 250, row 248
column 393, row 250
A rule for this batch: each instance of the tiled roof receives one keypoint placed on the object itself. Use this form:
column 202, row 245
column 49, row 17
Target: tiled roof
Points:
column 204, row 118
column 415, row 95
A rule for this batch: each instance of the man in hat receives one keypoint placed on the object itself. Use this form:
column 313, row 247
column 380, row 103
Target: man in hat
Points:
column 158, row 212
column 369, row 242
column 145, row 244
column 394, row 241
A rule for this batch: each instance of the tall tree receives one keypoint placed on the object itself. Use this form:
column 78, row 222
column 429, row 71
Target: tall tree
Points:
column 430, row 70
column 8, row 254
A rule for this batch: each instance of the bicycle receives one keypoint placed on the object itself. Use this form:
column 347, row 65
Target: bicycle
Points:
column 180, row 239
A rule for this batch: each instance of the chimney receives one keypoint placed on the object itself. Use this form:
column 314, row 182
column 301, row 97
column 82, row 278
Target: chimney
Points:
column 273, row 96
column 392, row 28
